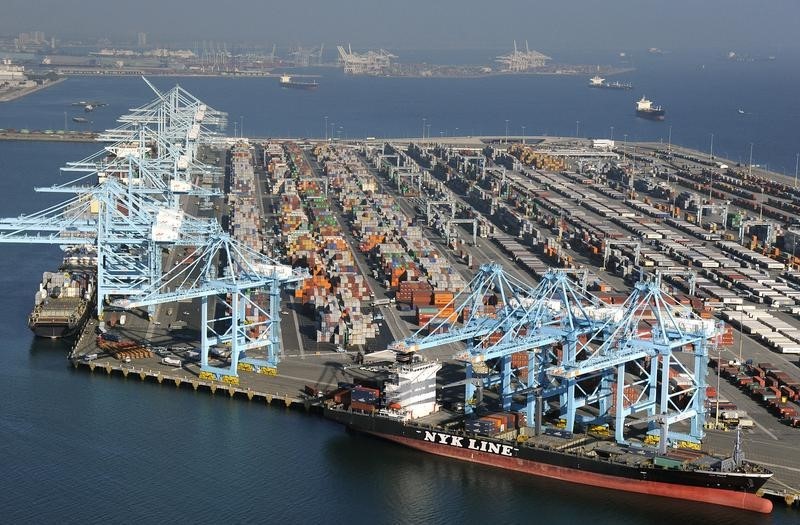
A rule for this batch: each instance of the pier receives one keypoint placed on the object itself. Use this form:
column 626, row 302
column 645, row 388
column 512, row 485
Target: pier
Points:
column 49, row 136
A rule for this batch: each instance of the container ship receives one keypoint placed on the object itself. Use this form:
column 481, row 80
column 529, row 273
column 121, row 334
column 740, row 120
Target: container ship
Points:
column 287, row 82
column 600, row 82
column 63, row 301
column 646, row 109
column 403, row 409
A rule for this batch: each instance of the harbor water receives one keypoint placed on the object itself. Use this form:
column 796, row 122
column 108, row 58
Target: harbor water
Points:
column 82, row 448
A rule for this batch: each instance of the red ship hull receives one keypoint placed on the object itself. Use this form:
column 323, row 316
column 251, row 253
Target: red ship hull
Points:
column 739, row 500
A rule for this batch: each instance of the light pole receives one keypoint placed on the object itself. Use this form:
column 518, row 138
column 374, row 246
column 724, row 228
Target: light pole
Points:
column 326, row 128
column 712, row 148
column 710, row 185
column 506, row 131
column 612, row 133
column 750, row 168
column 719, row 363
column 796, row 164
column 669, row 142
column 577, row 128
column 429, row 131
column 523, row 142
column 741, row 333
column 241, row 125
column 423, row 127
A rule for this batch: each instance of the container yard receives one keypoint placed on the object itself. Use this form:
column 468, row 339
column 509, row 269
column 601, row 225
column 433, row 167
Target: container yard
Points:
column 386, row 233
column 340, row 256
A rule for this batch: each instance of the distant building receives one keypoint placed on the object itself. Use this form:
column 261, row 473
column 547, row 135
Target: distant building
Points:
column 141, row 39
column 11, row 73
column 32, row 40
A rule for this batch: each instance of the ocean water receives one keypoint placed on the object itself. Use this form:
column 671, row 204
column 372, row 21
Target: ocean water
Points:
column 701, row 94
column 81, row 448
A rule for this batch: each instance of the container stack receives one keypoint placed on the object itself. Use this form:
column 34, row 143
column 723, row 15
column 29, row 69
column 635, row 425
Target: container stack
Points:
column 364, row 399
column 313, row 238
column 245, row 216
column 491, row 424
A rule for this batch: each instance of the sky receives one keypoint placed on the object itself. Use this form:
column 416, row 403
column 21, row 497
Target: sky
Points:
column 753, row 26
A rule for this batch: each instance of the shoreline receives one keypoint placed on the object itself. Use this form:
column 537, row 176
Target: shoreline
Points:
column 466, row 140
column 27, row 91
column 130, row 73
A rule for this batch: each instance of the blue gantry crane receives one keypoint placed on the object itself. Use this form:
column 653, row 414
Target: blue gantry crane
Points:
column 127, row 203
column 227, row 271
column 654, row 326
column 595, row 363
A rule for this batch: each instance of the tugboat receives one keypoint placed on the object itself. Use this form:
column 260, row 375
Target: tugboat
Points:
column 646, row 109
column 287, row 82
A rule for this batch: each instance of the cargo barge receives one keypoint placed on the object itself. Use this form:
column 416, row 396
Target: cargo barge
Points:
column 404, row 411
column 63, row 301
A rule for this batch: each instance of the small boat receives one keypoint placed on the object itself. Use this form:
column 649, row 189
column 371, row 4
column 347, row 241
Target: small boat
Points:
column 741, row 111
column 80, row 120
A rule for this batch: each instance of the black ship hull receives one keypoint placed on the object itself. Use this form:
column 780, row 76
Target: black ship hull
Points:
column 300, row 85
column 728, row 489
column 54, row 330
column 651, row 115
column 622, row 87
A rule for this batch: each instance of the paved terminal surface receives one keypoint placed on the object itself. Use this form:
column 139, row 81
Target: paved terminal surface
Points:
column 173, row 329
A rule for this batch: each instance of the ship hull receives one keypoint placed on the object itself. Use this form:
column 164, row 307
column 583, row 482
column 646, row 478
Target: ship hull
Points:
column 650, row 115
column 59, row 328
column 52, row 331
column 713, row 488
column 299, row 85
column 612, row 86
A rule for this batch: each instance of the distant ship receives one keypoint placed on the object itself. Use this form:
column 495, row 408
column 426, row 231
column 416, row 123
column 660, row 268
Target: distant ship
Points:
column 600, row 82
column 80, row 120
column 741, row 111
column 287, row 82
column 646, row 109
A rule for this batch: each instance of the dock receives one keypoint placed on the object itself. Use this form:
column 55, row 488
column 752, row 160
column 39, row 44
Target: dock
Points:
column 49, row 136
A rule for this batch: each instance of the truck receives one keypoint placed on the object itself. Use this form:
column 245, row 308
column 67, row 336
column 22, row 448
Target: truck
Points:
column 171, row 361
column 736, row 418
column 383, row 302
